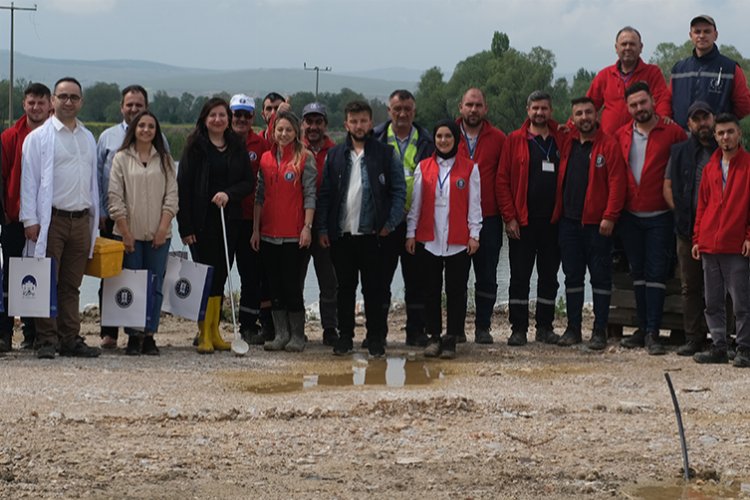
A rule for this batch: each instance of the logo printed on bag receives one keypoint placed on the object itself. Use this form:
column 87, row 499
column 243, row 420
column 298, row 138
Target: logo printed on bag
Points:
column 183, row 288
column 124, row 297
column 28, row 287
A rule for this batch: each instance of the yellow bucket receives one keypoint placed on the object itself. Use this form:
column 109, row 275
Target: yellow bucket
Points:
column 107, row 260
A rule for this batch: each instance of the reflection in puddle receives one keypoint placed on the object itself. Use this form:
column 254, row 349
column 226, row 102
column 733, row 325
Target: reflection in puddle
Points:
column 691, row 491
column 389, row 372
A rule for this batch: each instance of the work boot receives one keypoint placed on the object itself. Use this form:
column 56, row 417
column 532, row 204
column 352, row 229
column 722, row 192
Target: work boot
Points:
column 598, row 340
column 330, row 337
column 654, row 347
column 6, row 342
column 638, row 339
column 79, row 349
column 712, row 356
column 546, row 335
column 482, row 336
column 517, row 337
column 376, row 346
column 691, row 347
column 741, row 358
column 345, row 344
column 281, row 326
column 433, row 348
column 417, row 339
column 448, row 347
column 571, row 336
column 296, row 332
column 216, row 340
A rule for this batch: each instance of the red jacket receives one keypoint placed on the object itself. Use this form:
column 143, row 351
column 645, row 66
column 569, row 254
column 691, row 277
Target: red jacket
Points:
column 256, row 146
column 320, row 157
column 607, row 90
column 283, row 200
column 12, row 141
column 458, row 213
column 605, row 193
column 722, row 222
column 648, row 196
column 487, row 157
column 512, row 181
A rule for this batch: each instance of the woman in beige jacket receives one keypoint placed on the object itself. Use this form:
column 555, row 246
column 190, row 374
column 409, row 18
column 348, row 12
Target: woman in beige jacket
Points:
column 142, row 202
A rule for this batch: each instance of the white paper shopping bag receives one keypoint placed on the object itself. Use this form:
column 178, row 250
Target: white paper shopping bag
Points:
column 32, row 287
column 127, row 299
column 186, row 288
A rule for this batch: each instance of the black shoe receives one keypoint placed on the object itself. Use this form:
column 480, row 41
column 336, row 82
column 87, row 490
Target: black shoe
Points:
column 546, row 335
column 598, row 340
column 366, row 343
column 6, row 342
column 376, row 347
column 433, row 348
column 330, row 337
column 712, row 356
column 654, row 347
column 461, row 339
column 344, row 346
column 448, row 347
column 248, row 333
column 149, row 346
column 46, row 351
column 482, row 336
column 690, row 348
column 571, row 336
column 134, row 345
column 79, row 349
column 638, row 339
column 517, row 338
column 741, row 358
column 418, row 339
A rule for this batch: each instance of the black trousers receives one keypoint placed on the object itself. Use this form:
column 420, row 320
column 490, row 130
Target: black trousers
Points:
column 456, row 268
column 356, row 257
column 538, row 244
column 209, row 247
column 283, row 264
column 249, row 269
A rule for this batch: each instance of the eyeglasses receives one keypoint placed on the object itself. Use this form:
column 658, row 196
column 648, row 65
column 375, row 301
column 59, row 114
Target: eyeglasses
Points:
column 242, row 114
column 68, row 97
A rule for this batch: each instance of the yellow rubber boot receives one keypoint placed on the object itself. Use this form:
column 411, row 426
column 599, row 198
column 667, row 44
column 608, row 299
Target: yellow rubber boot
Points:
column 218, row 342
column 205, row 346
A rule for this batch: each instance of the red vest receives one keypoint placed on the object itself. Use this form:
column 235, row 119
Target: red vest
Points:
column 256, row 146
column 458, row 213
column 283, row 213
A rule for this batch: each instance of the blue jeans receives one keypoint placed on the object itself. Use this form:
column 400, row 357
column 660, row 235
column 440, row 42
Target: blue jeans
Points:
column 582, row 246
column 485, row 269
column 155, row 260
column 649, row 244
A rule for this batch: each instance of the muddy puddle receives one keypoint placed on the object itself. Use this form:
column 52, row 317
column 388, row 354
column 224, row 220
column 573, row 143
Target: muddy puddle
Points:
column 393, row 372
column 692, row 491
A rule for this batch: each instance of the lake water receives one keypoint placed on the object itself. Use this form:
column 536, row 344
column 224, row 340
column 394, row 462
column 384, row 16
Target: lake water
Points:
column 90, row 285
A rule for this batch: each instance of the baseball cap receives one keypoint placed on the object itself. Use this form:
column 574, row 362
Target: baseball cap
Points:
column 242, row 102
column 699, row 106
column 314, row 108
column 703, row 18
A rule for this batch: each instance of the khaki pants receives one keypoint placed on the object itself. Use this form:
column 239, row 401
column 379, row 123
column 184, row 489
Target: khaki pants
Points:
column 68, row 243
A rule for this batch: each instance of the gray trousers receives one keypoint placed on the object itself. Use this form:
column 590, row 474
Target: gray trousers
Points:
column 724, row 273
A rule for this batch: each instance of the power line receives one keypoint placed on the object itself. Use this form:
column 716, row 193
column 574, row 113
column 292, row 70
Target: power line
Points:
column 317, row 70
column 12, row 8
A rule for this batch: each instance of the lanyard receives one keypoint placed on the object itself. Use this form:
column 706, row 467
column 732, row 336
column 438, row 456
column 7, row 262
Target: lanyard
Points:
column 471, row 149
column 441, row 182
column 549, row 149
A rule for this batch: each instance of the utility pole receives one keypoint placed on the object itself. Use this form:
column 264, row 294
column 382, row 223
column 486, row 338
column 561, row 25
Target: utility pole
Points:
column 12, row 8
column 317, row 70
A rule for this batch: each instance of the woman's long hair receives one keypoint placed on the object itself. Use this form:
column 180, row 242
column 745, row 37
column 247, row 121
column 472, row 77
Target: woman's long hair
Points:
column 300, row 152
column 157, row 141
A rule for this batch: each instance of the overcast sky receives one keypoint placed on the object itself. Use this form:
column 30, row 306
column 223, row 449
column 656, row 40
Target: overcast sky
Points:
column 351, row 35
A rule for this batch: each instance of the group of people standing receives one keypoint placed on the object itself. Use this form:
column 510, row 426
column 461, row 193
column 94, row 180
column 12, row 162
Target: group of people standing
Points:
column 435, row 200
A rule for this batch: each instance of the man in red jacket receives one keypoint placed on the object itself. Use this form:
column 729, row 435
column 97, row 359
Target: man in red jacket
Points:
column 483, row 143
column 314, row 128
column 252, row 283
column 590, row 195
column 37, row 107
column 646, row 226
column 526, row 191
column 721, row 239
column 607, row 90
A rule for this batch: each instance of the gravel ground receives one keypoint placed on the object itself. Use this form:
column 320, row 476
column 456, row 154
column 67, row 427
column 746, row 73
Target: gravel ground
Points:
column 497, row 422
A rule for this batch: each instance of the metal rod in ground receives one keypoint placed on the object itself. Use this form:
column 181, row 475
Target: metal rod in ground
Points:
column 680, row 428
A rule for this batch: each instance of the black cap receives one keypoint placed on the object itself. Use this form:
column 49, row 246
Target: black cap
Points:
column 703, row 18
column 699, row 106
